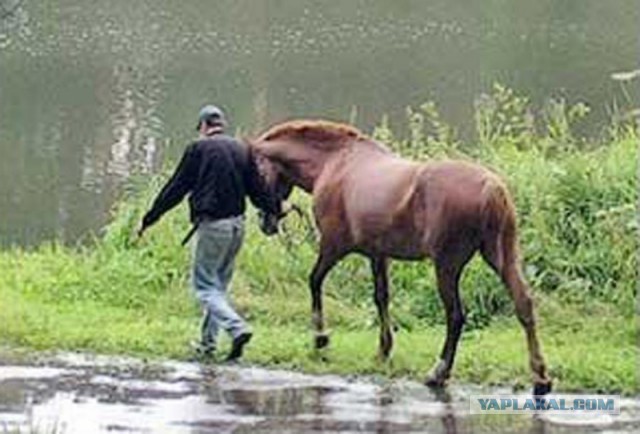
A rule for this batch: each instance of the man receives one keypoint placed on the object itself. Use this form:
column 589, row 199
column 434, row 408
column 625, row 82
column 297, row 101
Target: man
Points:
column 217, row 173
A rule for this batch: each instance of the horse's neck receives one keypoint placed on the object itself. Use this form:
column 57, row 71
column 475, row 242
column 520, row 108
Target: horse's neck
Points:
column 307, row 165
column 331, row 157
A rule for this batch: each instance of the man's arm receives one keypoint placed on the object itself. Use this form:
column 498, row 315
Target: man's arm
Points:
column 180, row 183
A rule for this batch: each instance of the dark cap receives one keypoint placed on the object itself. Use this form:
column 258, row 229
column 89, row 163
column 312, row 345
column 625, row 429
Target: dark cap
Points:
column 211, row 112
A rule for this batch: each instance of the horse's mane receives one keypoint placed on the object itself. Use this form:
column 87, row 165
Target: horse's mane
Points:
column 313, row 130
column 321, row 134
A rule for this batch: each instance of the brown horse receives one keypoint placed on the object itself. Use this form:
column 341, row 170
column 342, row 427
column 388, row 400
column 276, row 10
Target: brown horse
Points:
column 370, row 201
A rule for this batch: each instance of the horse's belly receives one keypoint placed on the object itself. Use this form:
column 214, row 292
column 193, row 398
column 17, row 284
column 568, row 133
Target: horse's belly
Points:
column 397, row 252
column 399, row 243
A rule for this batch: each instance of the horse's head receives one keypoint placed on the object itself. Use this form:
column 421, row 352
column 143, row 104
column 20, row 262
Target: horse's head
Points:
column 294, row 153
column 276, row 184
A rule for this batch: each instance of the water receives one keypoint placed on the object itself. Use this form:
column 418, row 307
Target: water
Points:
column 93, row 91
column 76, row 393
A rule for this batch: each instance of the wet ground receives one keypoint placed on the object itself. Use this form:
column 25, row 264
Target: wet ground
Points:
column 73, row 393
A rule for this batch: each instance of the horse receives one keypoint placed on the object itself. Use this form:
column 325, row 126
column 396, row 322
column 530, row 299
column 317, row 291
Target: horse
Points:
column 368, row 200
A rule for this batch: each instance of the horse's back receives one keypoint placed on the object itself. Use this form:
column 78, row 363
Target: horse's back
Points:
column 460, row 182
column 382, row 204
column 411, row 210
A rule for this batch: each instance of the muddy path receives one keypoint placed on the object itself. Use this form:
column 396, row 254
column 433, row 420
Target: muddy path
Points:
column 76, row 393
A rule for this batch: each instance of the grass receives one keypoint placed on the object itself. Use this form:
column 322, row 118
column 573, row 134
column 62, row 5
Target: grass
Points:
column 586, row 350
column 579, row 232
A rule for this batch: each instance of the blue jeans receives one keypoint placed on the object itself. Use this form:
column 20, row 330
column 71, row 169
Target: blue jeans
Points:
column 217, row 244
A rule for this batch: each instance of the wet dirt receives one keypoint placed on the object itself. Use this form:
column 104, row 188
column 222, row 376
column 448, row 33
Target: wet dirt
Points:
column 78, row 393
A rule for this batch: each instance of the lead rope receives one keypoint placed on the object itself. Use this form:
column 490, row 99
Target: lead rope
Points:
column 292, row 234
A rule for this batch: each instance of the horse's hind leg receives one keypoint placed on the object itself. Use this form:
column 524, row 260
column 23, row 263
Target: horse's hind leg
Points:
column 448, row 273
column 379, row 267
column 503, row 258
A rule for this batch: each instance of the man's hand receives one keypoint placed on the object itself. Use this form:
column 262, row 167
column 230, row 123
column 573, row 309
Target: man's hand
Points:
column 139, row 233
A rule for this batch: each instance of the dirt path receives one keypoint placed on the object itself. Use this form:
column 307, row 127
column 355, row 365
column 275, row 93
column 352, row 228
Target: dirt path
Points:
column 72, row 393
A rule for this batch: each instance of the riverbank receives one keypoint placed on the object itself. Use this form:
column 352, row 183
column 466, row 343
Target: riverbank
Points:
column 587, row 349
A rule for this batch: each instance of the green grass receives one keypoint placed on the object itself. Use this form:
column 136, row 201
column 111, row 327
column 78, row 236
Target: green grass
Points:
column 586, row 349
column 579, row 235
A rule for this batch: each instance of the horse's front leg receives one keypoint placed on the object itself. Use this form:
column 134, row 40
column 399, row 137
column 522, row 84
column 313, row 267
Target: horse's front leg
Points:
column 324, row 264
column 380, row 267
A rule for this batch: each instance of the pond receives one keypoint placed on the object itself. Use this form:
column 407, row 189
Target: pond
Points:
column 78, row 393
column 92, row 92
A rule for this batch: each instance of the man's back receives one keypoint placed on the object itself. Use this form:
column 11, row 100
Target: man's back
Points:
column 218, row 174
column 219, row 187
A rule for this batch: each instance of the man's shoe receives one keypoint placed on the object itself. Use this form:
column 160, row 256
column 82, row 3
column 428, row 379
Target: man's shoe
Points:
column 203, row 350
column 238, row 345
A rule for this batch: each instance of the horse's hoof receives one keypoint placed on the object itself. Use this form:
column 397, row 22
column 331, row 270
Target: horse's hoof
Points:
column 541, row 389
column 435, row 382
column 321, row 341
column 439, row 376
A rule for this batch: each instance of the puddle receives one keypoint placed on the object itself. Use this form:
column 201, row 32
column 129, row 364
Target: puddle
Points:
column 74, row 393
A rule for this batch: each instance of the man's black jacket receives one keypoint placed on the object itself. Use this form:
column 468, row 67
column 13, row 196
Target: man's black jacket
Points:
column 218, row 173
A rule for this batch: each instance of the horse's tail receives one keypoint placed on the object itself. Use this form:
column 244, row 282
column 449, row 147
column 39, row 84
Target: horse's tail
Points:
column 499, row 236
column 500, row 249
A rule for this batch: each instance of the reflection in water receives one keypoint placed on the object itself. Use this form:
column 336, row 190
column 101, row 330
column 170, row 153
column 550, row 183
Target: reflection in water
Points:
column 119, row 161
column 112, row 394
column 13, row 21
column 136, row 124
column 91, row 95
